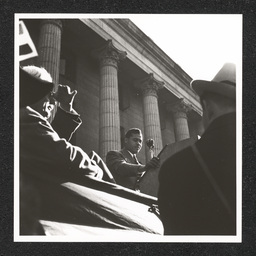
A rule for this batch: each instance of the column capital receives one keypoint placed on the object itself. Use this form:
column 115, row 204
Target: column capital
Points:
column 149, row 85
column 55, row 22
column 179, row 107
column 108, row 54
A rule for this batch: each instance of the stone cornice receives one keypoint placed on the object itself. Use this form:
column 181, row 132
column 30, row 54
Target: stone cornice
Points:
column 158, row 57
column 147, row 55
column 147, row 44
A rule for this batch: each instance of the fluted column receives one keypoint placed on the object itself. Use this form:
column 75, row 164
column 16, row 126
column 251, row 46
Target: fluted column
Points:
column 149, row 87
column 179, row 112
column 109, row 57
column 49, row 47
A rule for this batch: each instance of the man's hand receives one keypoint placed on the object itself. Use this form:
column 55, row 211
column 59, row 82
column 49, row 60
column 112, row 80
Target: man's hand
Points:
column 153, row 163
column 65, row 97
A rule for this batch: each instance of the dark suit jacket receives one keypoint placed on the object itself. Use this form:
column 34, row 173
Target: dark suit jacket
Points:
column 42, row 149
column 66, row 123
column 45, row 152
column 188, row 203
column 123, row 167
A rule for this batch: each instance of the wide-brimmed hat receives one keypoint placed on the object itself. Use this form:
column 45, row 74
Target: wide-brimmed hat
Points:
column 223, row 83
column 32, row 89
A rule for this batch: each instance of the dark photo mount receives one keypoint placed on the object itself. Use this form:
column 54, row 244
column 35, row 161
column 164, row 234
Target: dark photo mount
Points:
column 8, row 247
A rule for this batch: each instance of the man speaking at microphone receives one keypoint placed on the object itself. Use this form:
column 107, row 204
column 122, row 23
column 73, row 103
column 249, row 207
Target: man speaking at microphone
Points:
column 124, row 164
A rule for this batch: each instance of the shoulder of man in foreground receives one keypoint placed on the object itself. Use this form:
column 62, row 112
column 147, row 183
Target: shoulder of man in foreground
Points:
column 32, row 122
column 181, row 159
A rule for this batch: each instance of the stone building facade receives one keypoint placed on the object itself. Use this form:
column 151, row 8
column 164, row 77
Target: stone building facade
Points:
column 123, row 80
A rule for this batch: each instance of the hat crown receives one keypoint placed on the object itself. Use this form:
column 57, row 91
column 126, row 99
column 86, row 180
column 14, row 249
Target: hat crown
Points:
column 224, row 83
column 227, row 74
column 32, row 89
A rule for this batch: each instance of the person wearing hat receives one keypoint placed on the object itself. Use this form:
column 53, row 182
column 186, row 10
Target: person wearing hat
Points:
column 44, row 152
column 197, row 186
column 63, row 118
column 38, row 139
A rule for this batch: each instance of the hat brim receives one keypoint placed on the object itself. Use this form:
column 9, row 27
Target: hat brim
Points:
column 32, row 89
column 201, row 86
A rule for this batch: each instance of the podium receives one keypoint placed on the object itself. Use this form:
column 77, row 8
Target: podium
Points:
column 149, row 183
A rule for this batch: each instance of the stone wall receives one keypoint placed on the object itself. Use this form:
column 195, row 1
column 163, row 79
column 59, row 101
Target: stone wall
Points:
column 87, row 103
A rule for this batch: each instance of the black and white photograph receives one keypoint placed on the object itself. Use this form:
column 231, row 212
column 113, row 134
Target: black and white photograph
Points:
column 128, row 128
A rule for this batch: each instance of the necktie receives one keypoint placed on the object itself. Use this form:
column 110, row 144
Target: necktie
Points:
column 135, row 159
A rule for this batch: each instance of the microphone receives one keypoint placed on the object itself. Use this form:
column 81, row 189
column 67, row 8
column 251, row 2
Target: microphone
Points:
column 151, row 146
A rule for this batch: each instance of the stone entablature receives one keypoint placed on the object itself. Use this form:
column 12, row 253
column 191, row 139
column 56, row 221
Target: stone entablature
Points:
column 147, row 55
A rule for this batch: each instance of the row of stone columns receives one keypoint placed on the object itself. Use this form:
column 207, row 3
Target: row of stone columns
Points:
column 109, row 56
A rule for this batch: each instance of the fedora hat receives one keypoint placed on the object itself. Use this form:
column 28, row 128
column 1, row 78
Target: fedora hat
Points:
column 223, row 83
column 32, row 89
